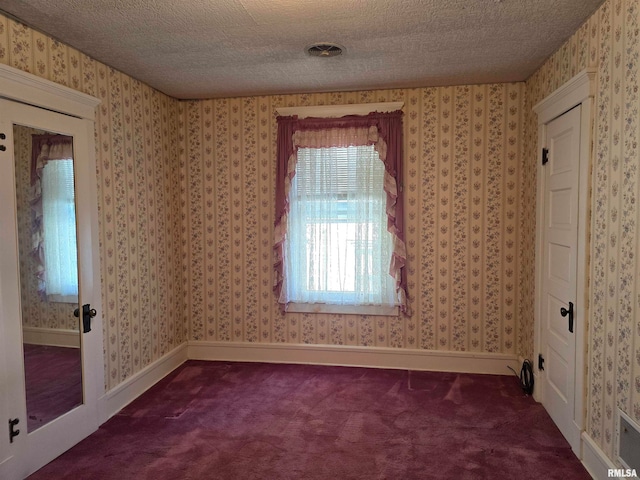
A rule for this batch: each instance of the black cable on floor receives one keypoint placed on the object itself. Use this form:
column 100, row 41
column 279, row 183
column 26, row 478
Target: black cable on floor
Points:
column 526, row 376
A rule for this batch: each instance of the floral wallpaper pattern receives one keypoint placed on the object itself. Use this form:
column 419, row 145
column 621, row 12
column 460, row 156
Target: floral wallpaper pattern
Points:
column 462, row 203
column 609, row 40
column 462, row 177
column 139, row 188
column 186, row 200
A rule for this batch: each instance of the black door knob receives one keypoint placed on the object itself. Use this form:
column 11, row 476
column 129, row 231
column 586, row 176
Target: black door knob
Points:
column 564, row 312
column 87, row 314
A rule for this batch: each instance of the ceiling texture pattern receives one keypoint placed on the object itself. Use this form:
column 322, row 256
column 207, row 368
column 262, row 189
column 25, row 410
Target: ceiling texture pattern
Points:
column 225, row 48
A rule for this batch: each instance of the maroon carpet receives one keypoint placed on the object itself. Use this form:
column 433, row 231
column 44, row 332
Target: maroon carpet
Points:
column 53, row 378
column 217, row 420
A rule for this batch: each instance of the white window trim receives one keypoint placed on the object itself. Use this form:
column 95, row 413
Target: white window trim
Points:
column 329, row 111
column 73, row 299
column 382, row 310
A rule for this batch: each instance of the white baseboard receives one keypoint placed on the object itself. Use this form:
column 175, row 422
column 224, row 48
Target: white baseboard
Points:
column 8, row 467
column 376, row 357
column 594, row 459
column 118, row 398
column 51, row 336
column 350, row 356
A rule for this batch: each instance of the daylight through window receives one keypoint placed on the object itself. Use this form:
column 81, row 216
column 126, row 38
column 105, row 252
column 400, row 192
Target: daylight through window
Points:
column 338, row 248
column 59, row 231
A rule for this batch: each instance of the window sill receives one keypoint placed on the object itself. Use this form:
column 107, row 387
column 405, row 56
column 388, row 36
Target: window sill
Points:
column 63, row 299
column 343, row 309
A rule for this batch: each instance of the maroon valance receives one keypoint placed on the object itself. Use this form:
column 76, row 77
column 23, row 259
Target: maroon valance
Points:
column 47, row 147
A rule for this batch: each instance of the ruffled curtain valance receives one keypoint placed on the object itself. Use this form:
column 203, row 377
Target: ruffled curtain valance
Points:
column 384, row 132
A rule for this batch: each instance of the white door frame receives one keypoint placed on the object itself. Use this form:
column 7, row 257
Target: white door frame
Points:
column 25, row 88
column 580, row 90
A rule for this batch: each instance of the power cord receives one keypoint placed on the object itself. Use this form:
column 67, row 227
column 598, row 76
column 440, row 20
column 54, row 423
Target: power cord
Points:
column 526, row 376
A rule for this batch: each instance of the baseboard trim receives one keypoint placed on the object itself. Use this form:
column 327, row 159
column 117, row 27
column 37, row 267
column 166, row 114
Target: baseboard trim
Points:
column 127, row 391
column 594, row 459
column 352, row 356
column 51, row 336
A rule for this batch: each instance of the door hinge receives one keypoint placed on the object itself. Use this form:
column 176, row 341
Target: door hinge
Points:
column 545, row 156
column 540, row 362
column 12, row 431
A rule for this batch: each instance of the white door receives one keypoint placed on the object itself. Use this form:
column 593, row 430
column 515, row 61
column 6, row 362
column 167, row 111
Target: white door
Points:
column 559, row 271
column 53, row 371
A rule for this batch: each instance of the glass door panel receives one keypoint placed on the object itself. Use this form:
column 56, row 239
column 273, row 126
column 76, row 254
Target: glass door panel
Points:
column 46, row 218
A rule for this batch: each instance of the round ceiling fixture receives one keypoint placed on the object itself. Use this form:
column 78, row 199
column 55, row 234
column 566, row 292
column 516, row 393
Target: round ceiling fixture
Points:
column 324, row 49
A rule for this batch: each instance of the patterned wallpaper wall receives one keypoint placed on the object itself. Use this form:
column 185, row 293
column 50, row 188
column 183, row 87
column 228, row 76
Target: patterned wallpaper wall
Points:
column 138, row 172
column 610, row 41
column 35, row 311
column 578, row 53
column 462, row 210
column 463, row 202
column 470, row 196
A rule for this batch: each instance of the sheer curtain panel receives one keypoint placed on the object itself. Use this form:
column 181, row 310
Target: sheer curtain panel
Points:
column 339, row 230
column 54, row 219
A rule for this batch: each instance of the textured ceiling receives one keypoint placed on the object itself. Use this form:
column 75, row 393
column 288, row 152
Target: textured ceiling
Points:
column 225, row 48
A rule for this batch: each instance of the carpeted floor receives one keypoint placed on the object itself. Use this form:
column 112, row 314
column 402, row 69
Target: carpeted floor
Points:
column 217, row 420
column 53, row 379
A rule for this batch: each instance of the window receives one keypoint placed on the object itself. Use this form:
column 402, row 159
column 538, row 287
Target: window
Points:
column 339, row 242
column 338, row 248
column 59, row 232
column 54, row 217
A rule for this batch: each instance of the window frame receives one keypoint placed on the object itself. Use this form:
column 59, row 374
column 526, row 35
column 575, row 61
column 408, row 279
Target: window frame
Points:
column 334, row 111
column 344, row 210
column 47, row 242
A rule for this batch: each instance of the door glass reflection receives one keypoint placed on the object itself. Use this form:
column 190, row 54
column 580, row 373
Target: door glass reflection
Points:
column 48, row 273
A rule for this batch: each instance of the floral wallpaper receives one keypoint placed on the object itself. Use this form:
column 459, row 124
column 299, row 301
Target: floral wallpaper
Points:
column 578, row 53
column 609, row 40
column 462, row 209
column 35, row 311
column 139, row 188
column 186, row 213
column 207, row 167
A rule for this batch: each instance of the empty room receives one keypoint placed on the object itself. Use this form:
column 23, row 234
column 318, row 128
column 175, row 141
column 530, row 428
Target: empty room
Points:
column 466, row 306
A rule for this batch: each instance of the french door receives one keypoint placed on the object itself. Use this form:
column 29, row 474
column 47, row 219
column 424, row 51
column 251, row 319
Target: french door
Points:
column 53, row 359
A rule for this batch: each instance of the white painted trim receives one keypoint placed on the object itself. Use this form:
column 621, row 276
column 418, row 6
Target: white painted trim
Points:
column 536, row 378
column 594, row 459
column 324, row 111
column 39, row 103
column 54, row 337
column 7, row 467
column 46, row 94
column 580, row 90
column 572, row 93
column 375, row 310
column 334, row 355
column 127, row 391
column 352, row 356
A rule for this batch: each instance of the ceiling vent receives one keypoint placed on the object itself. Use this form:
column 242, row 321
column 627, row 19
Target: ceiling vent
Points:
column 324, row 50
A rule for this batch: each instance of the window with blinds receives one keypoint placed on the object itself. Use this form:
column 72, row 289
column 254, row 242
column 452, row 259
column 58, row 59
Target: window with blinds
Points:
column 338, row 247
column 59, row 231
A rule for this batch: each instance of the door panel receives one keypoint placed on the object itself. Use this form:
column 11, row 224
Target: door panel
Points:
column 560, row 240
column 46, row 219
column 43, row 434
